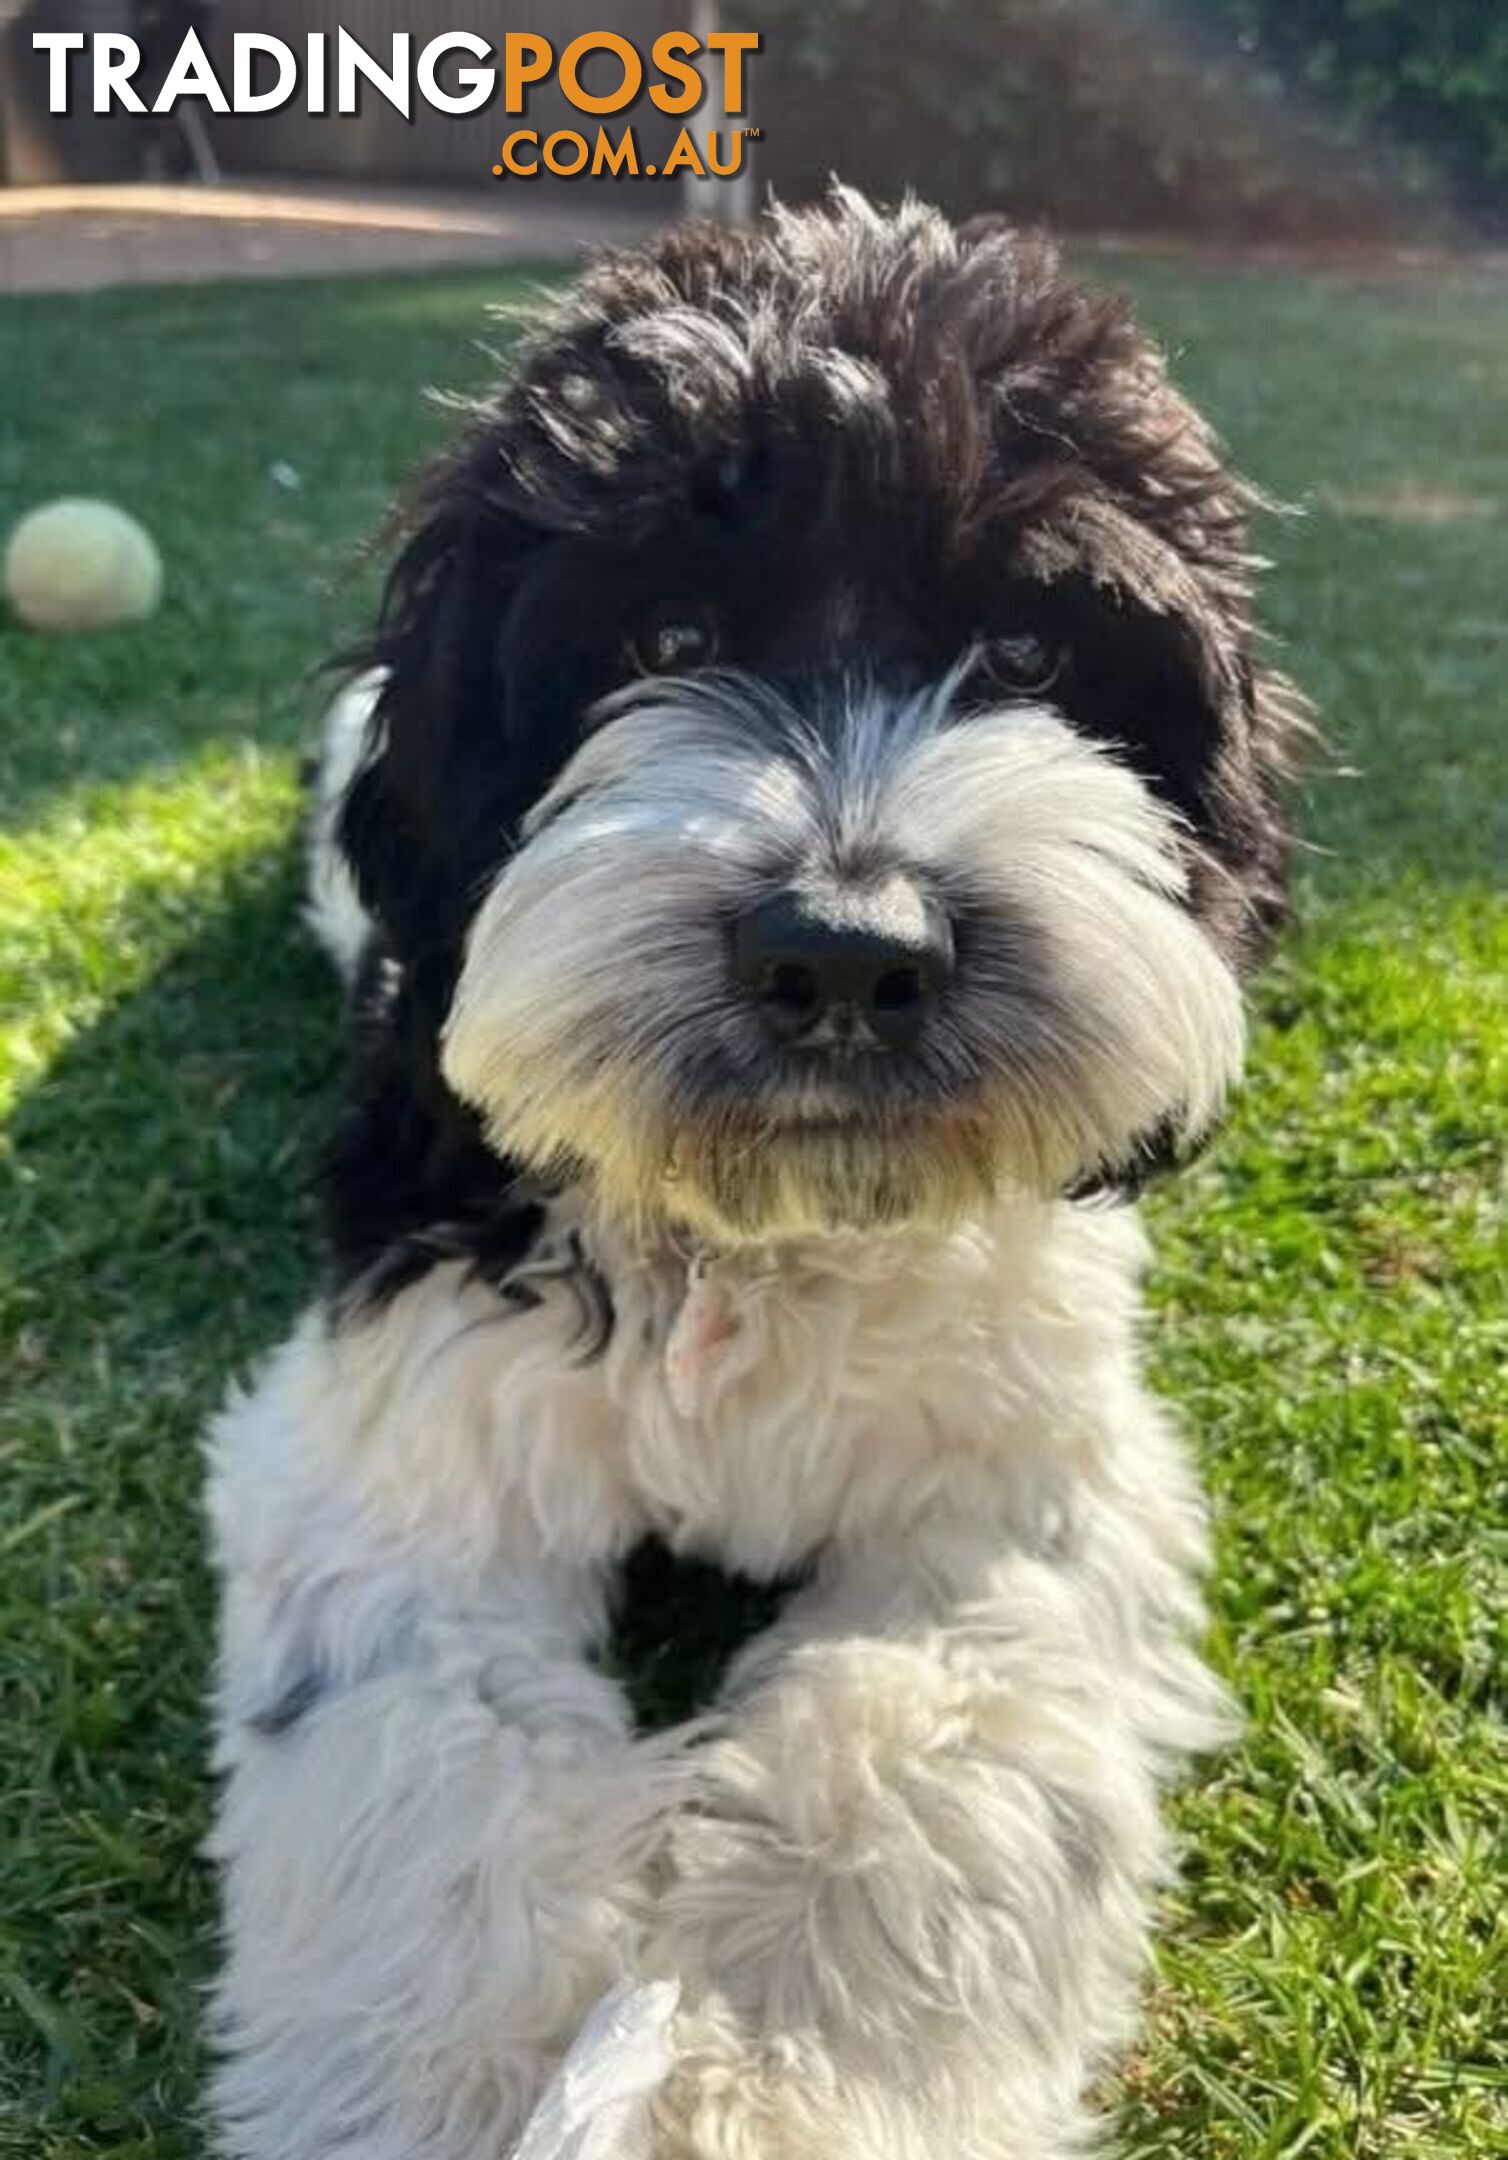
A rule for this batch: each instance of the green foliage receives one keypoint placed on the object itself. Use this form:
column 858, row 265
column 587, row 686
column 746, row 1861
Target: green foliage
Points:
column 1285, row 118
column 1329, row 1282
column 1097, row 113
column 1433, row 77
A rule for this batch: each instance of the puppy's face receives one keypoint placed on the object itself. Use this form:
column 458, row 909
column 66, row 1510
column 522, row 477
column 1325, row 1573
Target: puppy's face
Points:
column 821, row 776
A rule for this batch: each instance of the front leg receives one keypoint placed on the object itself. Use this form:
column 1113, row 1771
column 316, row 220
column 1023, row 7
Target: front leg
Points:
column 907, row 1904
column 429, row 1876
column 435, row 1826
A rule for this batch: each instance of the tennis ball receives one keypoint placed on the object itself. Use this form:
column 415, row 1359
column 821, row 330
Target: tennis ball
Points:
column 82, row 565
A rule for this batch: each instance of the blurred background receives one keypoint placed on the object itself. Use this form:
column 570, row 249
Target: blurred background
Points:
column 1339, row 121
column 233, row 329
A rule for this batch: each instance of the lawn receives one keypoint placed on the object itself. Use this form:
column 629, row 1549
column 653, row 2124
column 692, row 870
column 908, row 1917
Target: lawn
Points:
column 1330, row 1284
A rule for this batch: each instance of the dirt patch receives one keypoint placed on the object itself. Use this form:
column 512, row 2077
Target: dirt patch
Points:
column 1411, row 503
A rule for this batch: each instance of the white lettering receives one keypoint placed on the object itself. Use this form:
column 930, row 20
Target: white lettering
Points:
column 479, row 82
column 245, row 95
column 317, row 93
column 352, row 59
column 116, row 60
column 57, row 44
column 191, row 76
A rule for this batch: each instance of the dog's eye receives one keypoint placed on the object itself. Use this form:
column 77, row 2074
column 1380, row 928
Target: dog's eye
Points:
column 1023, row 665
column 676, row 643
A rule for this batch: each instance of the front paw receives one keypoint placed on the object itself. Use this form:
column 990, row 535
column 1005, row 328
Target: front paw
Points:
column 731, row 2097
column 783, row 2096
column 877, row 1853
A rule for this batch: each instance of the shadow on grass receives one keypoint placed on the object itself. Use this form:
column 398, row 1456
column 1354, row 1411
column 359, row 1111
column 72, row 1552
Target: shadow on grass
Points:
column 157, row 1158
column 158, row 1238
column 82, row 714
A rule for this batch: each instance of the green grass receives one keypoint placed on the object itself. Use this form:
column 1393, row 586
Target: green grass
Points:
column 1330, row 1285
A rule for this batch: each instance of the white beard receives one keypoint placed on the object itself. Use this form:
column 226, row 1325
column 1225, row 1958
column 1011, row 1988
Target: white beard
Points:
column 596, row 972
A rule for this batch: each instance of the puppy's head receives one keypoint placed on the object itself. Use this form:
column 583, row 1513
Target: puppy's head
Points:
column 823, row 772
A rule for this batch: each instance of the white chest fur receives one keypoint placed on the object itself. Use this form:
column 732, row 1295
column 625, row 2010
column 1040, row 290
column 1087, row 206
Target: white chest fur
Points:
column 783, row 1399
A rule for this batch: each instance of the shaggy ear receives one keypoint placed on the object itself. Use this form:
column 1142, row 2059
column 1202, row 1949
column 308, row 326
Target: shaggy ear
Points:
column 1181, row 693
column 1139, row 534
column 1231, row 791
column 1245, row 842
column 433, row 792
column 1178, row 690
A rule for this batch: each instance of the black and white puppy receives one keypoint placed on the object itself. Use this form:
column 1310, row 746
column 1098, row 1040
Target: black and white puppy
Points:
column 795, row 850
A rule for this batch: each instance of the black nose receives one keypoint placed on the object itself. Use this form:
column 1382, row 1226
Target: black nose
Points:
column 845, row 966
